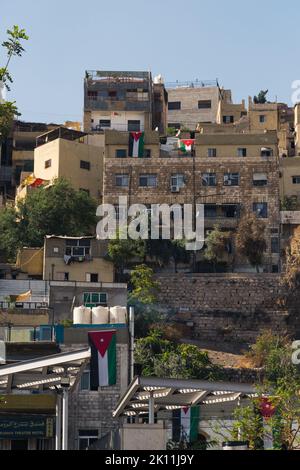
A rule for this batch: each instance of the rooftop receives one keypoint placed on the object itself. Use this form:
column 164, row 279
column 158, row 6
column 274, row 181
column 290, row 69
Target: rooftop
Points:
column 59, row 133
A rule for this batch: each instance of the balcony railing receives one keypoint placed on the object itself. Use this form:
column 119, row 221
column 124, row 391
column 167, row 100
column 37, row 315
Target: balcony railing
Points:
column 24, row 305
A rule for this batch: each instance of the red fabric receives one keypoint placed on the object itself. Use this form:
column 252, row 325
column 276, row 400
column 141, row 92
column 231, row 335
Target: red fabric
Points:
column 188, row 142
column 136, row 135
column 101, row 340
column 185, row 410
column 267, row 409
column 38, row 182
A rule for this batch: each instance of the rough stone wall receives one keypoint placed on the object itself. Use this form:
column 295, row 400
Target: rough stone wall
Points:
column 229, row 308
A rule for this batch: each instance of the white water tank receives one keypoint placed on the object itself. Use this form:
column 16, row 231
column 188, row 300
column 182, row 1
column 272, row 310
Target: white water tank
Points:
column 100, row 315
column 82, row 315
column 118, row 314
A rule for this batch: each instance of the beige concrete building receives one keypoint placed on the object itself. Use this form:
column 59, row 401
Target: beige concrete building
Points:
column 80, row 259
column 67, row 154
column 124, row 101
column 190, row 104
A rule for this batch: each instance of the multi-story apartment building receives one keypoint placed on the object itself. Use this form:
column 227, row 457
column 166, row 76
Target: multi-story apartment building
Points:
column 125, row 101
column 191, row 103
column 69, row 154
column 230, row 173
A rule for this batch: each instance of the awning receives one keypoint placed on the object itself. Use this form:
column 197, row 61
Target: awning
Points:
column 171, row 394
column 44, row 374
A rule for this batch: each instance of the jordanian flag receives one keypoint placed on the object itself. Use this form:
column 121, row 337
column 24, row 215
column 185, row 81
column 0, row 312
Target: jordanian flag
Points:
column 185, row 145
column 185, row 424
column 136, row 144
column 103, row 358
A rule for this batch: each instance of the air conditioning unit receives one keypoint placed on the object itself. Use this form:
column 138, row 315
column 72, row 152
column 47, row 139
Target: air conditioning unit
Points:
column 175, row 189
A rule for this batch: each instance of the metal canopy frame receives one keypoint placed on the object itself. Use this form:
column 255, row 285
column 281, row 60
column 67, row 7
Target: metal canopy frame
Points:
column 155, row 394
column 44, row 374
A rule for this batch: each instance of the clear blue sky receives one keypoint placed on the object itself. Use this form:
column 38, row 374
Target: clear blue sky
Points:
column 247, row 45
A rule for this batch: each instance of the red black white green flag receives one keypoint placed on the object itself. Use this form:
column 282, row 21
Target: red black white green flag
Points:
column 136, row 144
column 103, row 358
column 185, row 424
column 186, row 145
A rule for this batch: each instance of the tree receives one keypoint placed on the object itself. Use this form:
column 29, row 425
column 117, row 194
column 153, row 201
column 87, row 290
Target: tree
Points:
column 279, row 390
column 261, row 98
column 56, row 210
column 217, row 245
column 291, row 277
column 13, row 47
column 123, row 252
column 164, row 358
column 179, row 254
column 250, row 239
column 144, row 287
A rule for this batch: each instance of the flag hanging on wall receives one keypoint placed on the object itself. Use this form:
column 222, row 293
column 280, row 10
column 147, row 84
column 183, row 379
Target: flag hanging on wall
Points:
column 185, row 424
column 136, row 144
column 103, row 358
column 185, row 145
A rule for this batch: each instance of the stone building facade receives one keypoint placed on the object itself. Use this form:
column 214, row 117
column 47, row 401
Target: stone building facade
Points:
column 229, row 173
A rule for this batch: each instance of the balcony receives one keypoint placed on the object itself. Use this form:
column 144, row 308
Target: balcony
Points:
column 226, row 216
column 290, row 217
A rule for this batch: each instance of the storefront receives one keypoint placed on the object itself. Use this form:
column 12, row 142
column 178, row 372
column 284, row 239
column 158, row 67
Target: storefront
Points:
column 27, row 432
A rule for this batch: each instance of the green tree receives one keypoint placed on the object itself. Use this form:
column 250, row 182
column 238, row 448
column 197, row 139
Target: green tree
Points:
column 144, row 286
column 13, row 47
column 261, row 98
column 250, row 239
column 124, row 252
column 56, row 210
column 279, row 385
column 164, row 358
column 217, row 246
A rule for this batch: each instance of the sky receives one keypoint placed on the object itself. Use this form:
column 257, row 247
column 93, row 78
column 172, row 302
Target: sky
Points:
column 248, row 46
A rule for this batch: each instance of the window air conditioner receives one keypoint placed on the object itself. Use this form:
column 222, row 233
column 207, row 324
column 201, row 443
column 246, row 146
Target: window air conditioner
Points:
column 175, row 189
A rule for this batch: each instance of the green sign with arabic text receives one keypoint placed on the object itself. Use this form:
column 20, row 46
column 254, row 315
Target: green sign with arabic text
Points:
column 26, row 426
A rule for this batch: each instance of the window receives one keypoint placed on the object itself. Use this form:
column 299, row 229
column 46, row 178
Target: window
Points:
column 242, row 152
column 260, row 179
column 231, row 179
column 91, row 277
column 211, row 152
column 104, row 123
column 262, row 118
column 172, row 105
column 85, row 165
column 209, row 179
column 274, row 245
column 48, row 163
column 177, row 180
column 86, row 438
column 230, row 211
column 85, row 380
column 121, row 153
column 78, row 248
column 147, row 153
column 134, row 126
column 275, row 268
column 261, row 209
column 204, row 104
column 149, row 181
column 210, row 211
column 112, row 94
column 95, row 299
column 296, row 179
column 92, row 95
column 174, row 125
column 62, row 276
column 266, row 152
column 228, row 119
column 122, row 180
column 55, row 249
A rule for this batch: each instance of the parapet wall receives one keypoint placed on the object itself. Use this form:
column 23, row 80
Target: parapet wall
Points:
column 229, row 307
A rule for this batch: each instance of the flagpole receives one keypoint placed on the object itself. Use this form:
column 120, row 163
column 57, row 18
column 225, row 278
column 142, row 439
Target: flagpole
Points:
column 131, row 339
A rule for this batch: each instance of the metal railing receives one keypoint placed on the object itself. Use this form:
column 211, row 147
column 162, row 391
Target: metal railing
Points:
column 6, row 305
